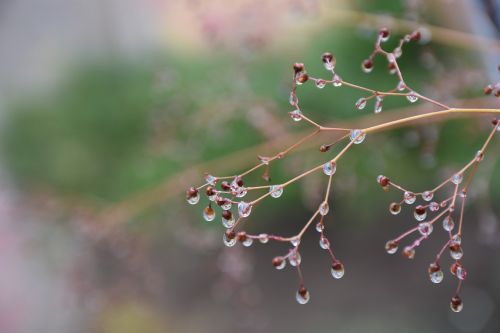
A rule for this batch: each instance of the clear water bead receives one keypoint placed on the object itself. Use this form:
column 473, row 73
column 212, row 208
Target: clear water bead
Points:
column 320, row 227
column 276, row 191
column 263, row 238
column 295, row 241
column 296, row 115
column 226, row 205
column 244, row 209
column 412, row 97
column 433, row 206
column 360, row 103
column 247, row 242
column 357, row 136
column 194, row 199
column 294, row 259
column 228, row 223
column 240, row 192
column 456, row 239
column 427, row 195
column 324, row 243
column 448, row 223
column 329, row 168
column 461, row 273
column 395, row 208
column 457, row 178
column 281, row 265
column 329, row 66
column 409, row 197
column 437, row 276
column 456, row 305
column 208, row 214
column 320, row 84
column 324, row 208
column 419, row 216
column 337, row 270
column 456, row 252
column 337, row 81
column 398, row 52
column 302, row 298
column 228, row 242
column 401, row 86
column 378, row 104
column 425, row 228
column 391, row 247
column 210, row 179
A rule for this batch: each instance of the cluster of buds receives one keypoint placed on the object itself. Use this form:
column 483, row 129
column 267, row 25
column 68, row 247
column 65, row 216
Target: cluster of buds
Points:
column 228, row 193
column 493, row 89
column 430, row 211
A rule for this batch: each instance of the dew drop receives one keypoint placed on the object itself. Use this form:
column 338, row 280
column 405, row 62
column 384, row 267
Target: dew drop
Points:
column 457, row 178
column 420, row 213
column 360, row 103
column 425, row 228
column 437, row 276
column 276, row 191
column 409, row 252
column 456, row 304
column 398, row 52
column 324, row 243
column 247, row 242
column 448, row 223
column 401, row 86
column 295, row 241
column 409, row 197
column 228, row 222
column 226, row 205
column 208, row 214
column 324, row 208
column 228, row 242
column 391, row 247
column 263, row 238
column 412, row 97
column 294, row 258
column 395, row 208
column 378, row 104
column 456, row 252
column 296, row 115
column 433, row 206
column 244, row 209
column 427, row 195
column 337, row 270
column 329, row 66
column 293, row 99
column 210, row 179
column 302, row 296
column 337, row 81
column 194, row 199
column 320, row 84
column 357, row 136
column 329, row 168
column 320, row 227
column 279, row 263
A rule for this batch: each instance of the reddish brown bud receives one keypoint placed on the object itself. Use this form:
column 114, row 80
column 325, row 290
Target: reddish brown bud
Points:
column 488, row 89
column 494, row 121
column 298, row 67
column 367, row 64
column 454, row 267
column 241, row 236
column 230, row 234
column 302, row 291
column 420, row 210
column 277, row 261
column 239, row 181
column 497, row 93
column 383, row 180
column 434, row 267
column 415, row 36
column 210, row 191
column 220, row 201
column 191, row 192
column 456, row 303
column 302, row 78
column 225, row 186
column 384, row 33
column 395, row 208
column 327, row 57
column 324, row 148
column 227, row 214
column 455, row 247
column 391, row 66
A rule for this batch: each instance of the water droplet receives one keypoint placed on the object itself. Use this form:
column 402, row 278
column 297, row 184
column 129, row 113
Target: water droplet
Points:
column 337, row 270
column 409, row 197
column 244, row 209
column 329, row 168
column 433, row 206
column 401, row 86
column 329, row 66
column 226, row 205
column 194, row 199
column 208, row 214
column 461, row 273
column 320, row 84
column 456, row 252
column 412, row 97
column 409, row 252
column 324, row 243
column 457, row 178
column 456, row 239
column 395, row 208
column 240, row 191
column 456, row 304
column 228, row 222
column 302, row 296
column 378, row 104
column 437, row 276
column 427, row 195
column 293, row 100
column 320, row 227
column 296, row 115
column 398, row 52
column 337, row 81
column 263, row 238
column 360, row 103
column 295, row 241
column 211, row 179
column 391, row 247
column 228, row 242
column 448, row 223
column 425, row 228
column 357, row 136
column 247, row 242
column 279, row 263
column 420, row 213
column 294, row 258
column 276, row 191
column 480, row 155
column 324, row 208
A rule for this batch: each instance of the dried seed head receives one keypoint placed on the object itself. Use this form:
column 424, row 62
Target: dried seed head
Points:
column 298, row 67
column 210, row 191
column 383, row 180
column 225, row 186
column 302, row 78
column 191, row 192
column 456, row 304
column 227, row 214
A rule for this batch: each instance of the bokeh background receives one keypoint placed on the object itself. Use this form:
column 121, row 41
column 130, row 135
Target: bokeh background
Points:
column 110, row 109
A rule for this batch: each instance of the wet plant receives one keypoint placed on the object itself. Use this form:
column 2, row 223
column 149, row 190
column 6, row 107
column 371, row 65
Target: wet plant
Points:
column 431, row 207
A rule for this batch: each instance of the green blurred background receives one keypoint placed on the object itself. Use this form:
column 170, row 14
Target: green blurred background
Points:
column 111, row 109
